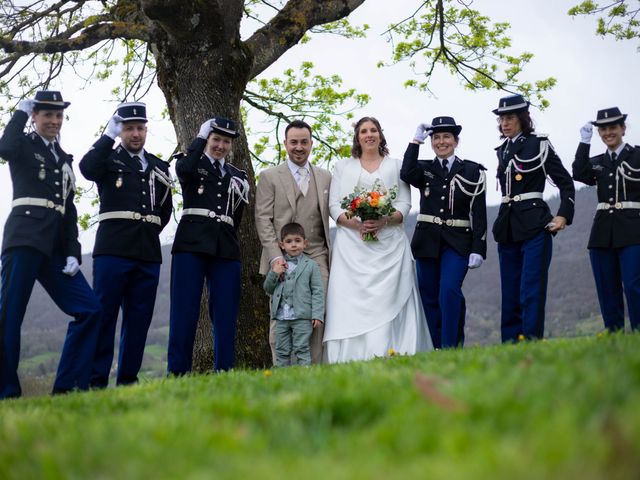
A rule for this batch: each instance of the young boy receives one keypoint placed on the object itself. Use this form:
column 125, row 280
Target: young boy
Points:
column 297, row 298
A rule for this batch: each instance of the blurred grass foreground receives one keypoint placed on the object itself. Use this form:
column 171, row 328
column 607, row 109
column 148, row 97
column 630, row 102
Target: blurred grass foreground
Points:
column 565, row 409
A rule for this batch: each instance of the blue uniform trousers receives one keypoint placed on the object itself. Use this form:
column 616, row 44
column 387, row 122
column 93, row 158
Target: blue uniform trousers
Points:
column 524, row 268
column 188, row 272
column 440, row 282
column 613, row 268
column 21, row 267
column 130, row 285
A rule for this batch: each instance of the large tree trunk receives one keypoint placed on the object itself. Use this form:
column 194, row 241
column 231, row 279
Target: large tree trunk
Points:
column 200, row 81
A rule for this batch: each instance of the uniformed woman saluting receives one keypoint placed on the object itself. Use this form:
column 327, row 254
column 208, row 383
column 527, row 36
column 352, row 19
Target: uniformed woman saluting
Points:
column 525, row 225
column 206, row 246
column 614, row 244
column 41, row 243
column 450, row 235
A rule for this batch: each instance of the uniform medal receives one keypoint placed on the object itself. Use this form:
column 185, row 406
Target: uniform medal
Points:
column 119, row 182
column 42, row 173
column 518, row 176
column 427, row 192
column 200, row 189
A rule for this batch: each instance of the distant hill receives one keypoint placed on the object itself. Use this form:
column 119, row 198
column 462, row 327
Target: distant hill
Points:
column 572, row 305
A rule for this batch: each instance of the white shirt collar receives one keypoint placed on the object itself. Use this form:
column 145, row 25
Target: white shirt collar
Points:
column 451, row 159
column 618, row 150
column 46, row 141
column 513, row 140
column 132, row 154
column 294, row 168
column 211, row 159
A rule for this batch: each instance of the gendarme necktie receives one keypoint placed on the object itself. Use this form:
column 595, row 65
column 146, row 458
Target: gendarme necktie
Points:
column 216, row 167
column 139, row 161
column 52, row 147
column 445, row 167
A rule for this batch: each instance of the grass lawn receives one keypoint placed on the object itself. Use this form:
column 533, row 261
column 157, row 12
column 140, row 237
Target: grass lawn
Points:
column 561, row 409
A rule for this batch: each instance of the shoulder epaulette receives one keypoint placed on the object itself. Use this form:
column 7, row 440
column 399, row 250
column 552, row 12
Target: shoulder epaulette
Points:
column 236, row 169
column 480, row 166
column 541, row 135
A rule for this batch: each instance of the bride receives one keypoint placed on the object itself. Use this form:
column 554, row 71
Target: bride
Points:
column 373, row 304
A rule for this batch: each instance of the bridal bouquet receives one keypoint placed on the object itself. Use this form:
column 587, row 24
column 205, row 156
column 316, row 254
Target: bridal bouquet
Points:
column 370, row 204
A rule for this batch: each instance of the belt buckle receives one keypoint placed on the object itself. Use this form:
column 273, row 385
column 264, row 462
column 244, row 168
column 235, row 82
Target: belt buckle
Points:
column 211, row 214
column 50, row 204
column 516, row 198
column 618, row 205
column 449, row 222
column 437, row 220
column 137, row 216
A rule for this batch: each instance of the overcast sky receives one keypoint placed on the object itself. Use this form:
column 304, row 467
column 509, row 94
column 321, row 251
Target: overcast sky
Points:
column 592, row 73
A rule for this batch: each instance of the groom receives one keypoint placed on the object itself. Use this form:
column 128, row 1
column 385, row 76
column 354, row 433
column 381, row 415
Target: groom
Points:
column 295, row 191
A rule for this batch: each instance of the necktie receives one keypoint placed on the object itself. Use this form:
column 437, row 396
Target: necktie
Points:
column 52, row 147
column 303, row 182
column 139, row 161
column 614, row 157
column 216, row 167
column 445, row 168
column 507, row 149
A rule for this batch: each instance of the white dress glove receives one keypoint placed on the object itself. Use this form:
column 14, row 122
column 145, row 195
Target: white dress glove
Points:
column 586, row 133
column 422, row 132
column 205, row 130
column 72, row 267
column 114, row 127
column 26, row 106
column 475, row 260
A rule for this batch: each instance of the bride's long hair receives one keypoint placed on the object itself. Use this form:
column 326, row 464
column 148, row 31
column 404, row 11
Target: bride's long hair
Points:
column 356, row 149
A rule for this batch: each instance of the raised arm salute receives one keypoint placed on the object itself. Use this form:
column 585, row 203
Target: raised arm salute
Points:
column 135, row 205
column 451, row 232
column 41, row 243
column 614, row 244
column 207, row 246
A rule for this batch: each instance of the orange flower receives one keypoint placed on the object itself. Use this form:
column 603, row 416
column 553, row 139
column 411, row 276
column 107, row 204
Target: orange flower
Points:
column 355, row 203
column 375, row 195
column 374, row 202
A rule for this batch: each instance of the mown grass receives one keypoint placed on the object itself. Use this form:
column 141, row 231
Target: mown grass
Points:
column 554, row 409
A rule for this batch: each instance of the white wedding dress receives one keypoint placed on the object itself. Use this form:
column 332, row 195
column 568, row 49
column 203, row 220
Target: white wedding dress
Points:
column 373, row 302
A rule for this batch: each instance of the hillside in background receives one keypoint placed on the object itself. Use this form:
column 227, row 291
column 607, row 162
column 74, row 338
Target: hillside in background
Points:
column 572, row 305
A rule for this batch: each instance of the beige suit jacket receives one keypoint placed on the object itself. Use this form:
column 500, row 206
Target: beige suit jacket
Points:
column 276, row 206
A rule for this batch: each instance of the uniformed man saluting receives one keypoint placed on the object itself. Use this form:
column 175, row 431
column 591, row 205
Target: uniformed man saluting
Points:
column 207, row 246
column 451, row 232
column 614, row 244
column 525, row 225
column 41, row 243
column 135, row 205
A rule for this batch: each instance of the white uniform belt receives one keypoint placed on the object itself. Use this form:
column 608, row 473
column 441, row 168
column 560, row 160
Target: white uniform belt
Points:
column 618, row 205
column 37, row 202
column 450, row 222
column 125, row 215
column 203, row 212
column 522, row 196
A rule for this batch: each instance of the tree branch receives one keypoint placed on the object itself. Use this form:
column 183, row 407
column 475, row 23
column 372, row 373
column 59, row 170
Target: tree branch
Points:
column 290, row 24
column 89, row 37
